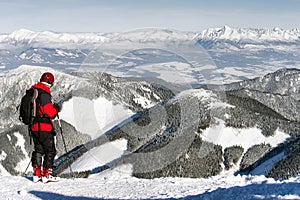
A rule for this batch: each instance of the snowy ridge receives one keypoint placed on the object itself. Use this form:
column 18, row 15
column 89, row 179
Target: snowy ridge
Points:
column 30, row 37
column 237, row 34
column 152, row 35
column 24, row 36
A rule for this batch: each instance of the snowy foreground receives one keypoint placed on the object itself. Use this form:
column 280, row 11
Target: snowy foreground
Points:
column 117, row 184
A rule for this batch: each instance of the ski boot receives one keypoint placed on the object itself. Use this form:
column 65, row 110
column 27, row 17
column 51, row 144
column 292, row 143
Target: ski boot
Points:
column 48, row 177
column 37, row 176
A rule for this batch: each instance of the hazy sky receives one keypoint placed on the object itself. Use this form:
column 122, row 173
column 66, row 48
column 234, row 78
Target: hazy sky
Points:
column 126, row 15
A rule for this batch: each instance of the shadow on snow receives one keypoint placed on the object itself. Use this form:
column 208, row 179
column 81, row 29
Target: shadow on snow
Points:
column 54, row 196
column 264, row 191
column 254, row 191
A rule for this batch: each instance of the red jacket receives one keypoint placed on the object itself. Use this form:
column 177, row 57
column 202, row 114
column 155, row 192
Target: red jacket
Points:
column 45, row 108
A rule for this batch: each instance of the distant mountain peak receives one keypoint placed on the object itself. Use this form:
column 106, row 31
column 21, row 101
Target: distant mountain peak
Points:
column 229, row 33
column 22, row 31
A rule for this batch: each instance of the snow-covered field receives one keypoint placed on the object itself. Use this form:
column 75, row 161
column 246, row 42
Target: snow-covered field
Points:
column 100, row 115
column 118, row 184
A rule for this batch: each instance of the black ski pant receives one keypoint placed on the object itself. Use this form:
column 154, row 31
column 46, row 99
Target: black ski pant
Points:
column 44, row 146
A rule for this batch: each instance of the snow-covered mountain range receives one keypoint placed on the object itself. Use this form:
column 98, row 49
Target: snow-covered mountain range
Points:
column 24, row 36
column 219, row 55
column 46, row 38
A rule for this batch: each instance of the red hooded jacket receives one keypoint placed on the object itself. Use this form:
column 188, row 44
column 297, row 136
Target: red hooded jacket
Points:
column 45, row 108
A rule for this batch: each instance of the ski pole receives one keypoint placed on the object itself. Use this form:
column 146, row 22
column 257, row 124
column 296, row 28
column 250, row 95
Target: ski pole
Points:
column 63, row 139
column 24, row 173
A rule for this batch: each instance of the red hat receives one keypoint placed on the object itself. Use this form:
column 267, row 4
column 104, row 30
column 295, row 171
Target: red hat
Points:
column 48, row 78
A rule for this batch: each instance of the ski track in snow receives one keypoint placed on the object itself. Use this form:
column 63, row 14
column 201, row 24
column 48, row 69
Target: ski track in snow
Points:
column 118, row 184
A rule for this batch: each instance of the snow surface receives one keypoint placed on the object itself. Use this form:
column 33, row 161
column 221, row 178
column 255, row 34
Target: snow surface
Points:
column 99, row 156
column 21, row 144
column 99, row 115
column 3, row 171
column 119, row 184
column 174, row 72
column 247, row 137
column 143, row 101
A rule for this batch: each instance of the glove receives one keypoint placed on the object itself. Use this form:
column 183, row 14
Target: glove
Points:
column 57, row 106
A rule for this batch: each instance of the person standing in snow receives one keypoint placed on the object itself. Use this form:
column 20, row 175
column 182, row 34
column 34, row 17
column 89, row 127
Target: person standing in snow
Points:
column 43, row 132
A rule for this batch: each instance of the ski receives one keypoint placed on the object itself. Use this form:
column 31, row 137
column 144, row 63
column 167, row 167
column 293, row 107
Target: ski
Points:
column 45, row 180
column 50, row 179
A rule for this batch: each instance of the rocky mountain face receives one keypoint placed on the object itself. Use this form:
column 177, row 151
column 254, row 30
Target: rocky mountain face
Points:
column 172, row 138
column 285, row 82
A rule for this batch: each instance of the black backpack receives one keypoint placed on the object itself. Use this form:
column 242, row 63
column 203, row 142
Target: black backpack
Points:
column 28, row 108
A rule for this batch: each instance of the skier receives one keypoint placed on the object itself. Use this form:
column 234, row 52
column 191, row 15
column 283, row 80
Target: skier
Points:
column 43, row 132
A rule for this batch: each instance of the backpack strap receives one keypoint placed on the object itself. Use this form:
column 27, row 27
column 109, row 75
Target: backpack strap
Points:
column 34, row 111
column 35, row 95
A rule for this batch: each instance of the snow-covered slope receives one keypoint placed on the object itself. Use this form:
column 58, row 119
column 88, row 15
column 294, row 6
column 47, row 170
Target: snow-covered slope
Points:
column 285, row 82
column 93, row 117
column 117, row 185
column 246, row 138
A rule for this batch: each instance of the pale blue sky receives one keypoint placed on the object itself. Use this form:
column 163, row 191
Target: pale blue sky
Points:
column 126, row 15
